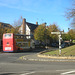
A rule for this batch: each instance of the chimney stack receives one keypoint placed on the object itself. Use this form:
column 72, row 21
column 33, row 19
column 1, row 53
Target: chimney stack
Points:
column 36, row 23
column 24, row 26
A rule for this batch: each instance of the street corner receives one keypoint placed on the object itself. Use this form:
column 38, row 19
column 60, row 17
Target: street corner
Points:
column 22, row 57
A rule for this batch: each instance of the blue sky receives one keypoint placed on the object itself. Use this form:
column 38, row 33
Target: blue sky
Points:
column 49, row 11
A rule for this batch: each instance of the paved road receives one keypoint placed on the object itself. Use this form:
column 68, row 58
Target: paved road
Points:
column 11, row 65
column 10, row 57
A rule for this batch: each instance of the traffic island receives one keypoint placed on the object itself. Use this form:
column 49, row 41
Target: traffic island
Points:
column 55, row 57
column 66, row 53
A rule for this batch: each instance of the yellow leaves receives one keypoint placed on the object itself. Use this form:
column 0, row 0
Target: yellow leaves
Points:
column 39, row 33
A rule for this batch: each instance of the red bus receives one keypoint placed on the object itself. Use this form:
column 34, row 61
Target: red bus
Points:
column 16, row 42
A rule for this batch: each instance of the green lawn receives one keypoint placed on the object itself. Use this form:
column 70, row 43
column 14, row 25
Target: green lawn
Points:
column 68, row 51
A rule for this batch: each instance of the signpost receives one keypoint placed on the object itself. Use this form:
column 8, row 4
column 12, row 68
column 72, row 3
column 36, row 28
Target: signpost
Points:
column 59, row 34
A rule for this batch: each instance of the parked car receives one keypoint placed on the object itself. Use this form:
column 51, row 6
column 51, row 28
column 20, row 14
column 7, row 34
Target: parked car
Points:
column 65, row 44
column 55, row 44
column 62, row 45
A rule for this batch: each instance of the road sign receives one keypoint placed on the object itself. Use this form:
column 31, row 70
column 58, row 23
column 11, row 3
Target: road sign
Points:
column 58, row 33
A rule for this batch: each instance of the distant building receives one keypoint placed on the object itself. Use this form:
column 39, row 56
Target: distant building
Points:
column 27, row 28
column 5, row 25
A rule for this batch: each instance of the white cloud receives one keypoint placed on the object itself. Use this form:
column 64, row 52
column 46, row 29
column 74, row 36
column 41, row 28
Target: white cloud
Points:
column 16, row 5
column 36, row 6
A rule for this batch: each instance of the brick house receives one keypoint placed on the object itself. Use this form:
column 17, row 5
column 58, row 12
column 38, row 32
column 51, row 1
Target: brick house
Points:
column 5, row 25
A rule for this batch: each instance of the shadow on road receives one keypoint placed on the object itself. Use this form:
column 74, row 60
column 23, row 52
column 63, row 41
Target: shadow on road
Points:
column 28, row 51
column 7, row 74
column 32, row 51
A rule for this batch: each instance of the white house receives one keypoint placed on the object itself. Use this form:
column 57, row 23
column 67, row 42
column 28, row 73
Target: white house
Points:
column 27, row 28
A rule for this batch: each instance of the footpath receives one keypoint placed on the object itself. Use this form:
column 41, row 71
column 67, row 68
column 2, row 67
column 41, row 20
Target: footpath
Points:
column 41, row 57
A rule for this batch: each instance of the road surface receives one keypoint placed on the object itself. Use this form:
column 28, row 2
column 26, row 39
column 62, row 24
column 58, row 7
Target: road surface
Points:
column 10, row 64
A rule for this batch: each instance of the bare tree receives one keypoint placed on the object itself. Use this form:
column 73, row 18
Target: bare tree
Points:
column 17, row 24
column 70, row 14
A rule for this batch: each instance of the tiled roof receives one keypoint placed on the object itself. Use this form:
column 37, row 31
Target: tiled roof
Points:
column 32, row 26
column 5, row 25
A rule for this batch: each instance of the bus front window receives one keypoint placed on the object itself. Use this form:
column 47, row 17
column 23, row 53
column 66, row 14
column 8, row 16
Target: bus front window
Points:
column 7, row 35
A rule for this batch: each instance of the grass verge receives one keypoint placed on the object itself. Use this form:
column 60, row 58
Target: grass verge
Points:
column 68, row 51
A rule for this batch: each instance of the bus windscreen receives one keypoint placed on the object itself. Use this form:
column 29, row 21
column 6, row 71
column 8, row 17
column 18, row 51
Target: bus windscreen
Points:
column 7, row 35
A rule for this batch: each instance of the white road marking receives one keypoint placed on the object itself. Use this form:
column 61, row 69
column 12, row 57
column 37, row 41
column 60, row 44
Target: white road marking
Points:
column 27, row 73
column 67, row 72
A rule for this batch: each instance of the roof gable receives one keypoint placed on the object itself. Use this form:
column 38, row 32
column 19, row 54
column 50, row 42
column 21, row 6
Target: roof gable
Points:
column 32, row 26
